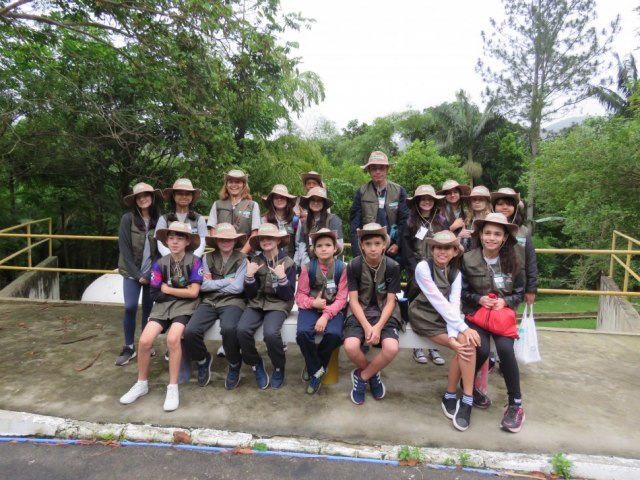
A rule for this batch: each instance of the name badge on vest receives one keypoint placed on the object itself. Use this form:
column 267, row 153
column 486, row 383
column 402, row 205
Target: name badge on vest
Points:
column 393, row 205
column 380, row 202
column 421, row 233
column 246, row 213
column 499, row 280
column 331, row 287
column 522, row 240
column 282, row 228
column 381, row 287
column 231, row 275
column 274, row 279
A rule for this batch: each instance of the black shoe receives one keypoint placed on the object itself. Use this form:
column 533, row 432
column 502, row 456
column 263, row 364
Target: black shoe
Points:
column 480, row 400
column 462, row 417
column 204, row 371
column 125, row 356
column 449, row 407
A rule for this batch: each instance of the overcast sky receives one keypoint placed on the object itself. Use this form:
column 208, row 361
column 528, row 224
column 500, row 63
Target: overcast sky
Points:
column 376, row 57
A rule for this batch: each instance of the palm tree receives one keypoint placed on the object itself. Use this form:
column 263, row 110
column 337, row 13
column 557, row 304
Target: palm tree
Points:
column 617, row 101
column 465, row 126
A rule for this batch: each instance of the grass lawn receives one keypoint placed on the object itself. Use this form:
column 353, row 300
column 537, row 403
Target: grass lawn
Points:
column 586, row 323
column 564, row 303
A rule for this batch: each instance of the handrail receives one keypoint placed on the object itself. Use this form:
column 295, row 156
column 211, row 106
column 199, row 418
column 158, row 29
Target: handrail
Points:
column 49, row 237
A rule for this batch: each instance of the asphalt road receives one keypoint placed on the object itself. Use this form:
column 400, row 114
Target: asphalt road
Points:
column 25, row 461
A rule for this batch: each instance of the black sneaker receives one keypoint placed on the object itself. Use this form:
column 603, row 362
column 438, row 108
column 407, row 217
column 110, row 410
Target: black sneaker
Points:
column 204, row 371
column 462, row 417
column 513, row 419
column 233, row 377
column 480, row 400
column 449, row 407
column 126, row 354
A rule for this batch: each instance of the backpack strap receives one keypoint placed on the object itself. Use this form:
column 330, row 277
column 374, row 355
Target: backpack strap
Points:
column 337, row 271
column 312, row 269
column 356, row 267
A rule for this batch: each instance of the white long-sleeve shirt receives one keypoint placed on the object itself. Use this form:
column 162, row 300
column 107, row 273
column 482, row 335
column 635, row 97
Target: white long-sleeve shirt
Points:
column 449, row 308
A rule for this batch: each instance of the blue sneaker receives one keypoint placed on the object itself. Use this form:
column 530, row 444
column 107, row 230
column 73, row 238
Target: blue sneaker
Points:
column 277, row 379
column 204, row 371
column 377, row 387
column 315, row 381
column 233, row 376
column 262, row 377
column 359, row 387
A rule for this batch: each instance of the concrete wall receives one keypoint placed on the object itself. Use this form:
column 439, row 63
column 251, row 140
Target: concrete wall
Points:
column 40, row 285
column 616, row 314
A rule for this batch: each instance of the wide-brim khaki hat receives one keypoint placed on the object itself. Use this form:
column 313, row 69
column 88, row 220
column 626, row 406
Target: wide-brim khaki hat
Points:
column 129, row 200
column 446, row 238
column 452, row 184
column 497, row 218
column 319, row 192
column 311, row 175
column 236, row 174
column 479, row 191
column 505, row 193
column 225, row 231
column 377, row 158
column 373, row 229
column 178, row 227
column 269, row 230
column 183, row 184
column 278, row 189
column 325, row 232
column 423, row 191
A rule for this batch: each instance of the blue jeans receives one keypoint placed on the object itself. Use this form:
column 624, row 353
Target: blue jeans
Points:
column 131, row 289
column 316, row 356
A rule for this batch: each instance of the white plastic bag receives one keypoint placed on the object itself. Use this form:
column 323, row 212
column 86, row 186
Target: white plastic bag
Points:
column 526, row 347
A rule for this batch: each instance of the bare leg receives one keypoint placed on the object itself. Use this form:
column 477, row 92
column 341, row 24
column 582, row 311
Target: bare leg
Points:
column 352, row 349
column 174, row 337
column 149, row 334
column 458, row 367
column 390, row 348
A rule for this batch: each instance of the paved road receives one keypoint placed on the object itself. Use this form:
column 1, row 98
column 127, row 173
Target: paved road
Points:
column 22, row 461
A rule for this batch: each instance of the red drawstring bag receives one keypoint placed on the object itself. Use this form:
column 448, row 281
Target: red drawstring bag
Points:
column 499, row 322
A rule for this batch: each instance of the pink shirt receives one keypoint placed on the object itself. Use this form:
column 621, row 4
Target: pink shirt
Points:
column 305, row 301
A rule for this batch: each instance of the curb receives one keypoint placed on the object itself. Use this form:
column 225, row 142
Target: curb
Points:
column 22, row 424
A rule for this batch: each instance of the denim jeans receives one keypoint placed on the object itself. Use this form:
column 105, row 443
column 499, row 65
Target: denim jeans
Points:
column 131, row 289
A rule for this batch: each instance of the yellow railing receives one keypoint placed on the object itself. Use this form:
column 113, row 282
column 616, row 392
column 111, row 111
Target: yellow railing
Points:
column 49, row 237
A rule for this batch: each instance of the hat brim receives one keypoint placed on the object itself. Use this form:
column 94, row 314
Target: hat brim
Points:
column 465, row 190
column 244, row 179
column 212, row 241
column 410, row 201
column 255, row 240
column 495, row 196
column 163, row 233
column 382, row 232
column 431, row 242
column 311, row 176
column 368, row 164
column 331, row 234
column 304, row 202
column 478, row 225
column 129, row 200
column 167, row 193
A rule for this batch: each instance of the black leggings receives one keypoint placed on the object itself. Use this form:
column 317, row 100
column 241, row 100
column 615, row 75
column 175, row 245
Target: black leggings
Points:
column 508, row 362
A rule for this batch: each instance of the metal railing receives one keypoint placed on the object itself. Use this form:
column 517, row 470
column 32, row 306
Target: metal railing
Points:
column 49, row 237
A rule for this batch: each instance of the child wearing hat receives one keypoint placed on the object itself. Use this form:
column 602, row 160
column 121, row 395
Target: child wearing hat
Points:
column 181, row 197
column 373, row 315
column 424, row 221
column 236, row 207
column 435, row 314
column 317, row 205
column 175, row 285
column 309, row 180
column 269, row 287
column 221, row 297
column 479, row 206
column 280, row 211
column 493, row 279
column 137, row 253
column 321, row 298
column 453, row 209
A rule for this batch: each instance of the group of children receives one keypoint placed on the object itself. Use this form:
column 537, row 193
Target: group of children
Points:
column 249, row 280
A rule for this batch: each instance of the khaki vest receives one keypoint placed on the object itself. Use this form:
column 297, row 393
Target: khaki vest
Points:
column 369, row 203
column 367, row 285
column 218, row 272
column 321, row 282
column 137, row 247
column 421, row 312
column 239, row 217
column 182, row 306
column 266, row 299
column 479, row 278
column 192, row 223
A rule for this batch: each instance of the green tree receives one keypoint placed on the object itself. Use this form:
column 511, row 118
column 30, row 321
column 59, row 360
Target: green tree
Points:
column 618, row 101
column 546, row 52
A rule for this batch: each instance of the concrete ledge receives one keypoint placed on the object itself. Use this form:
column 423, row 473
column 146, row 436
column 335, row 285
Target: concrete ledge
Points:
column 36, row 284
column 616, row 313
column 20, row 424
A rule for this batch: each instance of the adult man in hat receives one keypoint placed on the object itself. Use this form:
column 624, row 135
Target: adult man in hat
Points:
column 379, row 201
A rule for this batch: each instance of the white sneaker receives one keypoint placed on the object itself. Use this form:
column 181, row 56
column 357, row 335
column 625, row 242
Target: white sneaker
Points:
column 172, row 401
column 140, row 388
column 435, row 357
column 419, row 356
